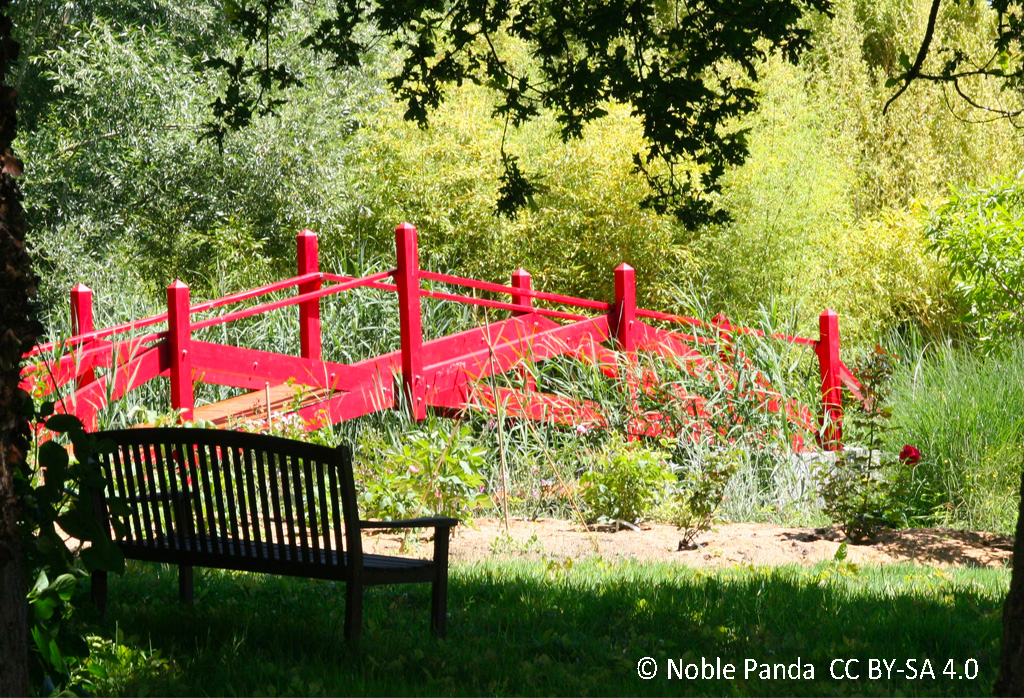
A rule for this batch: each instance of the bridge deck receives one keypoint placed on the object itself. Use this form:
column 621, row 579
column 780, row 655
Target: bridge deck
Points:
column 253, row 405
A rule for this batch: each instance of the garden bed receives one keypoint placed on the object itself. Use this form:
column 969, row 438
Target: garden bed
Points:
column 725, row 545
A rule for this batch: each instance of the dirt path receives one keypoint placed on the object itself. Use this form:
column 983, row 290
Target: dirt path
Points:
column 726, row 545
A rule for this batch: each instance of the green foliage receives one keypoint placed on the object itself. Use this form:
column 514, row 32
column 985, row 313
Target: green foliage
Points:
column 698, row 494
column 979, row 232
column 967, row 67
column 676, row 70
column 119, row 192
column 56, row 495
column 127, row 666
column 626, row 480
column 384, row 491
column 585, row 222
column 824, row 201
column 832, row 200
column 430, row 471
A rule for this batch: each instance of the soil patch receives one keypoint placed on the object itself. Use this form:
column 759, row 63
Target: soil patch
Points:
column 726, row 545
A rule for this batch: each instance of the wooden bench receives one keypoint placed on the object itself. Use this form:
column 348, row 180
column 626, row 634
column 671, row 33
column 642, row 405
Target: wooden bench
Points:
column 231, row 500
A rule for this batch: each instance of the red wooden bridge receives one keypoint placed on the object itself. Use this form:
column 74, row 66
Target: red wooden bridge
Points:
column 97, row 366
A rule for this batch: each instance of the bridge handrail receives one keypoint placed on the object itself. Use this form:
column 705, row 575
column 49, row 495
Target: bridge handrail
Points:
column 342, row 279
column 500, row 305
column 469, row 300
column 527, row 293
column 78, row 339
column 722, row 326
column 294, row 300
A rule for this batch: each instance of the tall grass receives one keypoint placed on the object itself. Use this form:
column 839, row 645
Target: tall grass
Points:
column 965, row 413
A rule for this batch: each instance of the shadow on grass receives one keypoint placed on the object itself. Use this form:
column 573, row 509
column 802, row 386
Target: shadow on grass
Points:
column 545, row 629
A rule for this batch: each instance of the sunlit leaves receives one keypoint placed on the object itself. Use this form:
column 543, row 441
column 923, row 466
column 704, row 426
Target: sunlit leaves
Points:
column 980, row 232
column 670, row 66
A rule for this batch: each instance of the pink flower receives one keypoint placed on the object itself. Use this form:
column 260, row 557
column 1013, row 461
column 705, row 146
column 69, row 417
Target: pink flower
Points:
column 413, row 469
column 581, row 429
column 910, row 455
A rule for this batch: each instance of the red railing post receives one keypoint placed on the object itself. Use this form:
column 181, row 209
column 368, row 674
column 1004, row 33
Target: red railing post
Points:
column 623, row 319
column 179, row 337
column 827, row 350
column 309, row 311
column 407, row 279
column 82, row 322
column 622, row 325
column 521, row 280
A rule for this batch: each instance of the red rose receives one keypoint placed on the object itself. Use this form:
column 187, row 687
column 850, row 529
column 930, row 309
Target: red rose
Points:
column 910, row 455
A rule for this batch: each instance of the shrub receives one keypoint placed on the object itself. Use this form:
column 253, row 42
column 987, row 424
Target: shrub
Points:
column 700, row 491
column 981, row 234
column 383, row 489
column 626, row 480
column 431, row 472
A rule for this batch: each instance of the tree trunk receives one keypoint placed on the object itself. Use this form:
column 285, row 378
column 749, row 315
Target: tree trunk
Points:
column 1011, row 669
column 18, row 333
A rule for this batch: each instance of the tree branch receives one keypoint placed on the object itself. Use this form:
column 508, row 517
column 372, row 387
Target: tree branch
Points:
column 922, row 53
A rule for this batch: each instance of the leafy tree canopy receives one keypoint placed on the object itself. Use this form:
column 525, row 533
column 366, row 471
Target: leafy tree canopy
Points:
column 685, row 68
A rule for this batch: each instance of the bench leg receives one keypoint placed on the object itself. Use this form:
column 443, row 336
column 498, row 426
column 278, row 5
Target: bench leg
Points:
column 353, row 612
column 185, row 584
column 439, row 589
column 439, row 606
column 99, row 592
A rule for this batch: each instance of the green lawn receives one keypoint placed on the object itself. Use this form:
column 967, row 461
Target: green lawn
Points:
column 530, row 627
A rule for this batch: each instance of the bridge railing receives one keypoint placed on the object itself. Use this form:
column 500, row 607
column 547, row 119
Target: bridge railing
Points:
column 132, row 360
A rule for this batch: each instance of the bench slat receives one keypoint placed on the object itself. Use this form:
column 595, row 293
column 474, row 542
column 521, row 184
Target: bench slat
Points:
column 313, row 514
column 332, row 477
column 288, row 489
column 156, row 482
column 254, row 504
column 239, row 512
column 264, row 499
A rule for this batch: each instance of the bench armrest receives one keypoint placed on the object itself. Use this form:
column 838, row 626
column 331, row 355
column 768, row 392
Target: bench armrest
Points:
column 425, row 522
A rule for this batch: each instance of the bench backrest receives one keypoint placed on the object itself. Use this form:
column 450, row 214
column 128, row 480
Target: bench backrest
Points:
column 232, row 493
